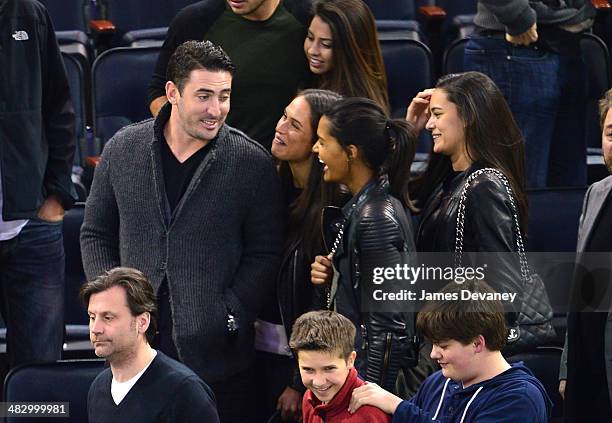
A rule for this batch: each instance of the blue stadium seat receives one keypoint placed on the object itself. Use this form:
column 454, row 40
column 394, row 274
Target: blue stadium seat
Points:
column 61, row 381
column 75, row 312
column 76, row 82
column 399, row 29
column 119, row 81
column 77, row 43
column 66, row 15
column 553, row 228
column 392, row 9
column 452, row 60
column 553, row 219
column 409, row 70
column 459, row 17
column 408, row 67
column 138, row 14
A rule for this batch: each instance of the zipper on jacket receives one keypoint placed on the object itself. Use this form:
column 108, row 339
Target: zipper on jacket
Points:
column 386, row 358
column 364, row 337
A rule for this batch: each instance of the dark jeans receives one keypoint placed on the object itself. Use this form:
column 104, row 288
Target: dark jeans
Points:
column 278, row 371
column 235, row 397
column 32, row 295
column 546, row 93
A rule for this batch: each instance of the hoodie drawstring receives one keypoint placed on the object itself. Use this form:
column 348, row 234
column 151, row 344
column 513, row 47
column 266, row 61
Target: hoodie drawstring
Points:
column 441, row 399
column 466, row 407
column 469, row 403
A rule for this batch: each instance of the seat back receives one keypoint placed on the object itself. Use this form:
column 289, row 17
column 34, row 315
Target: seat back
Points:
column 553, row 227
column 138, row 14
column 553, row 219
column 75, row 312
column 452, row 60
column 119, row 81
column 459, row 17
column 60, row 381
column 66, row 15
column 408, row 65
column 392, row 9
column 544, row 364
column 76, row 82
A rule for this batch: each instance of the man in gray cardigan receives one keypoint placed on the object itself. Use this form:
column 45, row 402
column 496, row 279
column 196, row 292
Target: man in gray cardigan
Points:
column 196, row 206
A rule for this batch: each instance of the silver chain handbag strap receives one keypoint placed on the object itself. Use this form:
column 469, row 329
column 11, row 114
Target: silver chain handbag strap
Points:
column 338, row 240
column 461, row 220
column 331, row 292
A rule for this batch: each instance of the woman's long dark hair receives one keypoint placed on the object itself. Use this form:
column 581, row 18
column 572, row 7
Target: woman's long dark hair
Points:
column 387, row 145
column 491, row 134
column 305, row 210
column 358, row 68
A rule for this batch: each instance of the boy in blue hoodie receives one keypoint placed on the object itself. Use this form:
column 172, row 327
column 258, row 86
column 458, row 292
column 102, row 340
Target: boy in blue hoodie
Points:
column 476, row 383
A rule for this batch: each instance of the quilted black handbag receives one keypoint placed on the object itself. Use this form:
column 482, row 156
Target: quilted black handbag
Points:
column 533, row 325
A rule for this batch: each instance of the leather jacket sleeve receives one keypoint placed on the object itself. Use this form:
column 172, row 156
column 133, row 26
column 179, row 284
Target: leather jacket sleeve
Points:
column 389, row 336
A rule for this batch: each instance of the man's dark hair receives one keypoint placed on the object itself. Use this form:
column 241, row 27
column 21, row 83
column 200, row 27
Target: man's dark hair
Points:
column 138, row 292
column 323, row 331
column 194, row 55
column 463, row 321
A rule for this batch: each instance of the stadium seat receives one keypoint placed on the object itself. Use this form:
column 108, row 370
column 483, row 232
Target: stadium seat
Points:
column 408, row 67
column 399, row 29
column 137, row 15
column 552, row 234
column 452, row 60
column 62, row 381
column 66, row 15
column 150, row 37
column 544, row 364
column 392, row 9
column 76, row 82
column 459, row 17
column 553, row 218
column 120, row 77
column 409, row 70
column 75, row 313
column 76, row 43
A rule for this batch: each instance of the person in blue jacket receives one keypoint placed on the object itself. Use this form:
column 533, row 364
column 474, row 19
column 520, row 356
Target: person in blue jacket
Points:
column 475, row 383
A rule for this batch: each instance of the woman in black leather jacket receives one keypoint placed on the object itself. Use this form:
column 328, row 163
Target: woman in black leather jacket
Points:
column 370, row 154
column 472, row 128
column 306, row 195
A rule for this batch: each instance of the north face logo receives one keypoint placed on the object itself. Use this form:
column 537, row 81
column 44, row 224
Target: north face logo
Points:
column 20, row 36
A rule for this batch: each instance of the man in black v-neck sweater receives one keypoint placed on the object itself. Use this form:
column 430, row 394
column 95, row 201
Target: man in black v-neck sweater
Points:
column 141, row 384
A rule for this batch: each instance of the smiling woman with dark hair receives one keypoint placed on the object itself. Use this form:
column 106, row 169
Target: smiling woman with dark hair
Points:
column 472, row 129
column 343, row 51
column 306, row 195
column 371, row 154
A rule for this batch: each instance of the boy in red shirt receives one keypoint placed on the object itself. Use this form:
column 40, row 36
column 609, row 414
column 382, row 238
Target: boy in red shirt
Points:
column 323, row 343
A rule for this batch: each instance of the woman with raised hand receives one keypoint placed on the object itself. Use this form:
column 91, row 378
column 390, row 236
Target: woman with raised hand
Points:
column 472, row 129
column 302, row 179
column 364, row 150
column 343, row 51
